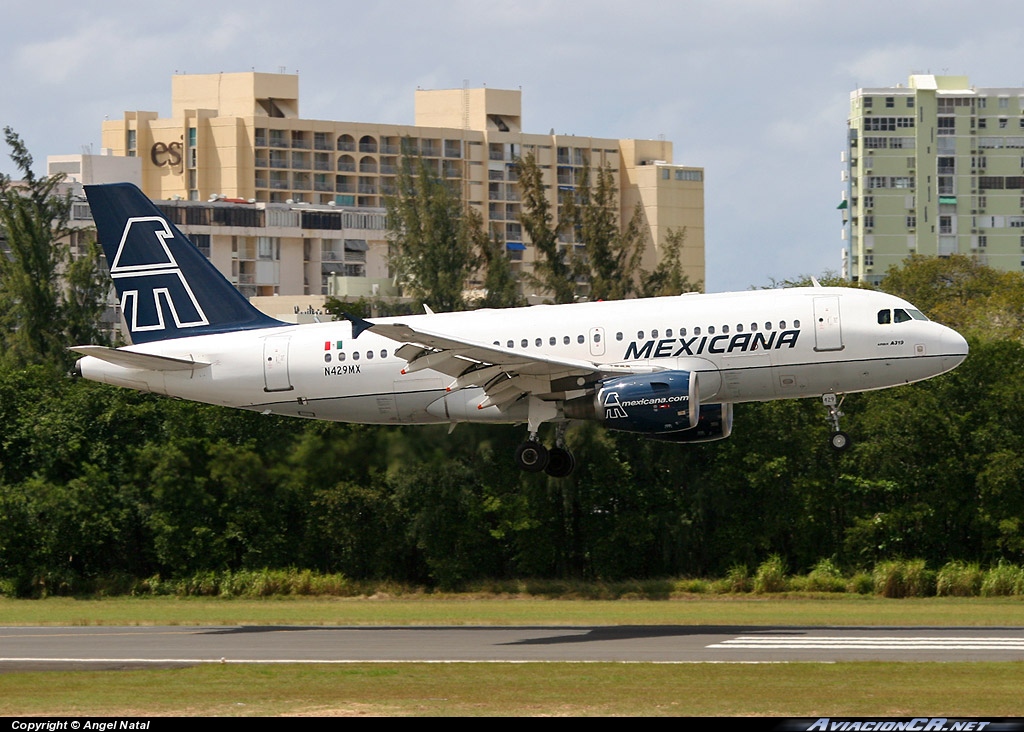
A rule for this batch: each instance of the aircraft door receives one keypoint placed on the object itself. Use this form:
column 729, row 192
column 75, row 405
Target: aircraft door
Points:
column 828, row 333
column 275, row 364
column 596, row 341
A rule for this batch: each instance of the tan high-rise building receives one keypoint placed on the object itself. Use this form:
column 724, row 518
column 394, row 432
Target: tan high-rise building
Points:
column 240, row 137
column 937, row 168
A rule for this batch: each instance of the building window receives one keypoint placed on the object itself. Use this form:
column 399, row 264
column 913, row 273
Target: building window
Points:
column 890, row 102
column 911, row 221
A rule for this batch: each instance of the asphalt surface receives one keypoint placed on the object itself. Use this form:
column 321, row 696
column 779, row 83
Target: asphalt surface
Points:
column 24, row 648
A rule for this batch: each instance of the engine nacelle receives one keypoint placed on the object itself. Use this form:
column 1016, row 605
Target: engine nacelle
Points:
column 650, row 404
column 714, row 423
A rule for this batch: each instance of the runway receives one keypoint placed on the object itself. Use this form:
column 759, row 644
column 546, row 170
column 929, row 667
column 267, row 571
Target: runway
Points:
column 24, row 648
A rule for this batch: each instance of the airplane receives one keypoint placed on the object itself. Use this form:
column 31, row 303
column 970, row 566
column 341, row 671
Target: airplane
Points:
column 668, row 368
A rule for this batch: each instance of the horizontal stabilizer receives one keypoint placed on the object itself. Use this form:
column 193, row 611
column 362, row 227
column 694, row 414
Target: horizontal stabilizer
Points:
column 133, row 360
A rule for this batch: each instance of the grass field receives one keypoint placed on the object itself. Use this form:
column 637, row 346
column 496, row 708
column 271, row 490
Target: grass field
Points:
column 531, row 689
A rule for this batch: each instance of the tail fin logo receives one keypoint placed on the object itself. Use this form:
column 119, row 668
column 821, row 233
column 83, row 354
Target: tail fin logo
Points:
column 153, row 288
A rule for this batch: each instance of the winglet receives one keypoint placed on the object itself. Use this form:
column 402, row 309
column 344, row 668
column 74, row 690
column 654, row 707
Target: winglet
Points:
column 358, row 324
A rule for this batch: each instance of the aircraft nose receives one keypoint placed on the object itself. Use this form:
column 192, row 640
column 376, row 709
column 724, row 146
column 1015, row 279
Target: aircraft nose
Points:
column 954, row 349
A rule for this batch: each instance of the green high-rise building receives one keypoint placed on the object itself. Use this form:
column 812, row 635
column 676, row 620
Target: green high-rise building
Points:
column 935, row 168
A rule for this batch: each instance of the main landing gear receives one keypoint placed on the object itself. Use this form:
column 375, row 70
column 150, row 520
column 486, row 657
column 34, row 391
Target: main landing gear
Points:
column 839, row 440
column 533, row 457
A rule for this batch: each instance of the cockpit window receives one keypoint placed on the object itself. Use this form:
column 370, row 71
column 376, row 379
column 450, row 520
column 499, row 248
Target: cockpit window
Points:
column 899, row 315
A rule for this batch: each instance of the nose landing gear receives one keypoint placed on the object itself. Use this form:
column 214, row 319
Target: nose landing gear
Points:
column 839, row 440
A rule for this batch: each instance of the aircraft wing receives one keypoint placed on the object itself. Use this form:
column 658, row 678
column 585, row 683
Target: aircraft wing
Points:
column 133, row 360
column 505, row 374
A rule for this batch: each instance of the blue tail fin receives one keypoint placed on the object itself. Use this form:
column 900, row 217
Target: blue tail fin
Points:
column 167, row 288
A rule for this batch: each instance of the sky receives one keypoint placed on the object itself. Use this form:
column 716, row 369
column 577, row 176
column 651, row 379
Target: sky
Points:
column 755, row 92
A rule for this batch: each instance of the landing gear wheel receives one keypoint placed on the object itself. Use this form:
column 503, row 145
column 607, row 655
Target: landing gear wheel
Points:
column 561, row 463
column 532, row 457
column 839, row 441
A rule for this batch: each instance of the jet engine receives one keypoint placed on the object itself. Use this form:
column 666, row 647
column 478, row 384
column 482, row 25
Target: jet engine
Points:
column 714, row 423
column 651, row 404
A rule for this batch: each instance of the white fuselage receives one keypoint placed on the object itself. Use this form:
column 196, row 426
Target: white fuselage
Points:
column 745, row 346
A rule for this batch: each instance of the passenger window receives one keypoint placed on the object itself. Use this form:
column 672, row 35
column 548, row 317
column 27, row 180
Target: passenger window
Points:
column 668, row 332
column 618, row 336
column 524, row 343
column 767, row 326
column 597, row 337
column 538, row 342
column 739, row 327
column 782, row 325
column 725, row 328
column 796, row 323
column 682, row 332
column 341, row 356
column 511, row 343
column 639, row 335
column 753, row 326
column 580, row 339
column 369, row 354
column 696, row 331
column 355, row 355
column 654, row 333
column 565, row 340
column 552, row 341
column 383, row 354
column 711, row 330
column 884, row 317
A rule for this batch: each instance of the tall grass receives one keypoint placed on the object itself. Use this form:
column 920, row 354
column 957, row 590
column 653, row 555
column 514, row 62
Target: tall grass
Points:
column 894, row 578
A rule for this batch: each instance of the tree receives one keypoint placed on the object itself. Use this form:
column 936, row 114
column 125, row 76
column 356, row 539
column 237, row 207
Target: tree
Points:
column 500, row 282
column 613, row 253
column 552, row 271
column 668, row 277
column 47, row 300
column 962, row 293
column 432, row 236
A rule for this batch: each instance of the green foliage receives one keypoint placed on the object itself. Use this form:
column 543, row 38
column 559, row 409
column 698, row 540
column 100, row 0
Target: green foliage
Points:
column 771, row 575
column 668, row 277
column 48, row 301
column 977, row 300
column 825, row 577
column 501, row 285
column 904, row 578
column 553, row 270
column 433, row 236
column 1003, row 580
column 613, row 253
column 959, row 579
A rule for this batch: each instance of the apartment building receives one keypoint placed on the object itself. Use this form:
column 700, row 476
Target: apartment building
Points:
column 238, row 139
column 935, row 167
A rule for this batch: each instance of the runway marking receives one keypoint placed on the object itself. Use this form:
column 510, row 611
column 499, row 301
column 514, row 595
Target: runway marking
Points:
column 325, row 662
column 798, row 642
